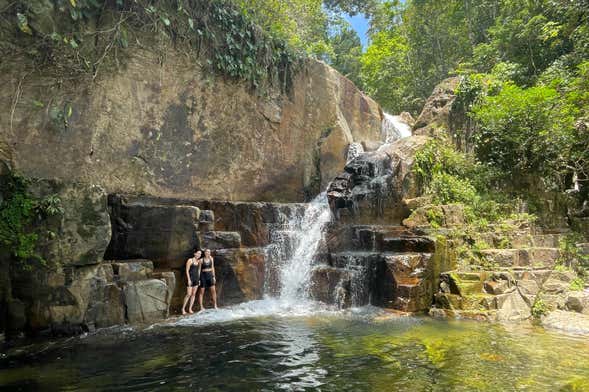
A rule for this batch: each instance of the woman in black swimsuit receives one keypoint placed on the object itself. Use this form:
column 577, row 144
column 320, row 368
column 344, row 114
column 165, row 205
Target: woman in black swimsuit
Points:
column 193, row 279
column 207, row 279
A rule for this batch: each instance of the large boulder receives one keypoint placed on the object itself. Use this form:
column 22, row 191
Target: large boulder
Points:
column 240, row 274
column 166, row 234
column 434, row 119
column 372, row 187
column 168, row 127
column 146, row 300
column 81, row 233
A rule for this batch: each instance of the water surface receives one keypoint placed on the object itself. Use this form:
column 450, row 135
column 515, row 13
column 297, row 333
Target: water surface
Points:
column 260, row 346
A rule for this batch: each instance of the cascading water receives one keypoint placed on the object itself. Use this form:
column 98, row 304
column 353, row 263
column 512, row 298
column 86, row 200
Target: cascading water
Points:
column 292, row 253
column 307, row 230
column 394, row 128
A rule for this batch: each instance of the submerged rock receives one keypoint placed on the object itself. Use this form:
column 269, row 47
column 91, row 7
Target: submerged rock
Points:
column 567, row 321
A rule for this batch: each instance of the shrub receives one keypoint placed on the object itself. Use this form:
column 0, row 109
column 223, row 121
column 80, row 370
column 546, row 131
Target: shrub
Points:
column 539, row 308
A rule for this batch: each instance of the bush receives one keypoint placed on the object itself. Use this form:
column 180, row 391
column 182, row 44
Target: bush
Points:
column 540, row 308
column 446, row 189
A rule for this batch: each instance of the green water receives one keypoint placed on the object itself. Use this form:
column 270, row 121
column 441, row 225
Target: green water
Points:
column 363, row 351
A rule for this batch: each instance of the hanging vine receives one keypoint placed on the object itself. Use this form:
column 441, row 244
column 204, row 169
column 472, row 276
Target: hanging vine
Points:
column 85, row 37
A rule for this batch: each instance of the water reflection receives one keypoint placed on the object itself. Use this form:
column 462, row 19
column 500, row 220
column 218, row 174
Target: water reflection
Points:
column 300, row 357
column 357, row 350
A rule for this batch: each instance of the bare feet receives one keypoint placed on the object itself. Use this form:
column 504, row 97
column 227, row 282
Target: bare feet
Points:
column 183, row 312
column 191, row 311
column 216, row 307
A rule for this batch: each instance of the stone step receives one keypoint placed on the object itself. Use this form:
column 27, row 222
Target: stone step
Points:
column 526, row 257
column 407, row 244
column 389, row 239
column 537, row 240
column 363, row 258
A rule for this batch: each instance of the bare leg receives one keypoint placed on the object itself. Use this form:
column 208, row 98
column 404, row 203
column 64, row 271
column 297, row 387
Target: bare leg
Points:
column 201, row 294
column 192, row 296
column 214, row 295
column 186, row 297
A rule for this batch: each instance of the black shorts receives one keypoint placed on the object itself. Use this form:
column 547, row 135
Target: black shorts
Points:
column 207, row 280
column 193, row 281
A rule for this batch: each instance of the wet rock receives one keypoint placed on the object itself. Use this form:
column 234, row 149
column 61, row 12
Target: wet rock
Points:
column 412, row 286
column 143, row 230
column 221, row 239
column 438, row 313
column 332, row 285
column 146, row 300
column 106, row 306
column 240, row 274
column 373, row 186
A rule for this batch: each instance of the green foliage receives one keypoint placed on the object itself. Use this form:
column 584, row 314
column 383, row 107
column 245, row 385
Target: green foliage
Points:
column 577, row 284
column 435, row 217
column 570, row 256
column 19, row 214
column 525, row 132
column 17, row 211
column 540, row 308
column 346, row 51
column 87, row 34
column 447, row 189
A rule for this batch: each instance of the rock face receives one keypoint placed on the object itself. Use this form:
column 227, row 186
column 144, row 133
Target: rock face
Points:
column 372, row 187
column 166, row 231
column 171, row 129
column 435, row 116
column 166, row 234
column 82, row 231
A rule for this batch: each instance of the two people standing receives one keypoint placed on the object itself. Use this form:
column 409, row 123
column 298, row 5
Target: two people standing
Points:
column 200, row 275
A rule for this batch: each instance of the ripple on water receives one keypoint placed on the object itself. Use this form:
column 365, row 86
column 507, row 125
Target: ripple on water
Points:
column 268, row 346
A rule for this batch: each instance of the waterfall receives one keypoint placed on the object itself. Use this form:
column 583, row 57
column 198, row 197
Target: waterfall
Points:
column 294, row 248
column 354, row 150
column 394, row 128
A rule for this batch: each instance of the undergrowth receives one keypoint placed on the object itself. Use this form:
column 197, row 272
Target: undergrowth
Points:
column 20, row 213
column 85, row 37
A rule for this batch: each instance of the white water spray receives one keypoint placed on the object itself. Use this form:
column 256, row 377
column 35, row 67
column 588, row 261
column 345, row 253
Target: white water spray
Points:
column 295, row 273
column 394, row 128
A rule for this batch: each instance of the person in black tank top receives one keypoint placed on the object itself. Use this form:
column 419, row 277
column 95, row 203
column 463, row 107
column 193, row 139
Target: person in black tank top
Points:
column 192, row 280
column 207, row 279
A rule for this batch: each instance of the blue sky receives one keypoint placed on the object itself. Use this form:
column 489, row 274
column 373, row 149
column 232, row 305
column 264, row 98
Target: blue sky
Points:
column 360, row 24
